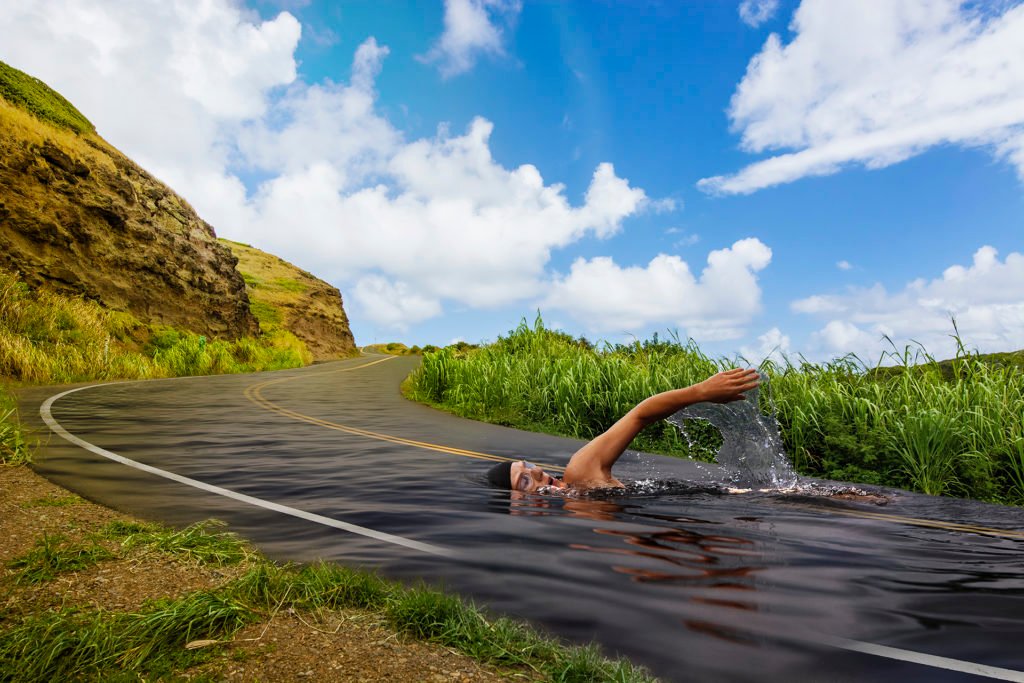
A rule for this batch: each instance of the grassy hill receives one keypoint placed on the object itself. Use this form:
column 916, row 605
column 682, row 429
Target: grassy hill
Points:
column 41, row 100
column 80, row 218
column 285, row 297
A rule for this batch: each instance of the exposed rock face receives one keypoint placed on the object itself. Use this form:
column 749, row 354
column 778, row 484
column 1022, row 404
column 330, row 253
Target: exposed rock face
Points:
column 80, row 217
column 286, row 296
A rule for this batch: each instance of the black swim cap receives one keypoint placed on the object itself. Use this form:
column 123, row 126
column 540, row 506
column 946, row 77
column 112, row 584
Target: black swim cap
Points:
column 500, row 475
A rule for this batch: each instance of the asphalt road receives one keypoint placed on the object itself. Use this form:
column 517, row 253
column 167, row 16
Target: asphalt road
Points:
column 329, row 462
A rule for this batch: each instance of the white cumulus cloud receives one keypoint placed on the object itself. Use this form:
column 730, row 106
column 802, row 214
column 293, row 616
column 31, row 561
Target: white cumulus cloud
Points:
column 201, row 92
column 394, row 305
column 875, row 82
column 772, row 345
column 717, row 305
column 471, row 28
column 756, row 12
column 986, row 298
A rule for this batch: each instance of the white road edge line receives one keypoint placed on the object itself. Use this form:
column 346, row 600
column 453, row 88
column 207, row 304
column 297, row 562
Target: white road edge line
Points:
column 924, row 659
column 46, row 414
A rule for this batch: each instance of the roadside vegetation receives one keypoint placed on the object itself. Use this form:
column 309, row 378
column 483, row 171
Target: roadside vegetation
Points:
column 48, row 338
column 14, row 448
column 945, row 428
column 400, row 349
column 198, row 632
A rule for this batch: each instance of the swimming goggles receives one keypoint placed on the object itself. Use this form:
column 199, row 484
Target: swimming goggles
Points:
column 523, row 482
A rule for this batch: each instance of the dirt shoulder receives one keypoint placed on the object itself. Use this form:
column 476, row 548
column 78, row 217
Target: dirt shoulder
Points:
column 286, row 644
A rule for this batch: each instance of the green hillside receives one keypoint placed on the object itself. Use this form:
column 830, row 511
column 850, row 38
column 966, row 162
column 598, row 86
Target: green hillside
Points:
column 31, row 94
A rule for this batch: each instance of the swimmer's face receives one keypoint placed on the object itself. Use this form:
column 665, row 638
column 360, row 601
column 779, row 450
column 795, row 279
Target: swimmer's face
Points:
column 527, row 477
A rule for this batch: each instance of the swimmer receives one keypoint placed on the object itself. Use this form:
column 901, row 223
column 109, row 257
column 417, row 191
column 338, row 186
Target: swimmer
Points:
column 591, row 466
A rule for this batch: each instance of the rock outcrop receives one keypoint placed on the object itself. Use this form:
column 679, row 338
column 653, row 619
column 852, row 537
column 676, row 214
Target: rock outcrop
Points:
column 286, row 296
column 78, row 216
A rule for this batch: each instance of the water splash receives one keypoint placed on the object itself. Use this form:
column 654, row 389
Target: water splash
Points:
column 752, row 449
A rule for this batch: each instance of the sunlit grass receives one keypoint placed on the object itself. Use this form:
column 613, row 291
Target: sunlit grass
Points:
column 151, row 642
column 200, row 543
column 431, row 615
column 48, row 338
column 33, row 95
column 69, row 644
column 943, row 428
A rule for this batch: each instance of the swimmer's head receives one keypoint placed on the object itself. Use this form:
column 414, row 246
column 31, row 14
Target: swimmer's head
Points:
column 520, row 475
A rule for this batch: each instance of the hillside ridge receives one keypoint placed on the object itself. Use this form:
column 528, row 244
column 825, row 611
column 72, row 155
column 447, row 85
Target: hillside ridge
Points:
column 282, row 295
column 80, row 218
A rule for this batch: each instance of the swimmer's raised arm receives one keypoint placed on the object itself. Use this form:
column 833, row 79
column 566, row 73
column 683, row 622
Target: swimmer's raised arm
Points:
column 592, row 464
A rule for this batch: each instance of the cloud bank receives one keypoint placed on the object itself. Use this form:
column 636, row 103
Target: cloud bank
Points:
column 205, row 93
column 984, row 298
column 873, row 86
column 605, row 297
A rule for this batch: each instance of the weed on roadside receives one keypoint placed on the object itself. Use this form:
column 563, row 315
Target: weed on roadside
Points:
column 200, row 543
column 54, row 555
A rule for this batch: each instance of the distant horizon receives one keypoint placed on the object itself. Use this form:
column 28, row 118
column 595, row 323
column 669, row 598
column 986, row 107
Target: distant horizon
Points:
column 805, row 177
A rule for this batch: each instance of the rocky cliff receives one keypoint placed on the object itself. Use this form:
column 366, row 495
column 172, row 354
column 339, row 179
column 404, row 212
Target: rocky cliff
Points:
column 78, row 216
column 285, row 296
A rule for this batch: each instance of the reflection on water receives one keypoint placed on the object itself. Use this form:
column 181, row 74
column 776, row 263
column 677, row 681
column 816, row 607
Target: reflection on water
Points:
column 722, row 566
column 765, row 568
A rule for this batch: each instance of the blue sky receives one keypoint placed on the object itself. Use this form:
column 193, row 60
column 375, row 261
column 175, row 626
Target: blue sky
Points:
column 853, row 170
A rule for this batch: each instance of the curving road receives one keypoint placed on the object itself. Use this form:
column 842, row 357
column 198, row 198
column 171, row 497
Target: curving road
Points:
column 330, row 462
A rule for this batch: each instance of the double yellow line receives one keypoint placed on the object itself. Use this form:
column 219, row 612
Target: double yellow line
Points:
column 254, row 394
column 932, row 523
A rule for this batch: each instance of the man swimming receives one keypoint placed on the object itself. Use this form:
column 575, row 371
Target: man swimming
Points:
column 591, row 466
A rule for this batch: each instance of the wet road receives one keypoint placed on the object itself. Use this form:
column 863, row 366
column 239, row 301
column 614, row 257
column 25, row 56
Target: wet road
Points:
column 330, row 462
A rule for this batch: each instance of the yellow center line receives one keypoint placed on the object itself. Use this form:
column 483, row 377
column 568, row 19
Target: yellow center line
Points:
column 933, row 523
column 254, row 394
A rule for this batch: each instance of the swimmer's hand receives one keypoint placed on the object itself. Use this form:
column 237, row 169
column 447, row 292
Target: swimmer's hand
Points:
column 727, row 386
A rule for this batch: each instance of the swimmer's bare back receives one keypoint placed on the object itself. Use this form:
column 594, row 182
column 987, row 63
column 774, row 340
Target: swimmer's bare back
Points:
column 591, row 466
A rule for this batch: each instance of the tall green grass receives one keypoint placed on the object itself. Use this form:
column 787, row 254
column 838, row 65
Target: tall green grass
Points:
column 545, row 380
column 14, row 448
column 48, row 338
column 942, row 428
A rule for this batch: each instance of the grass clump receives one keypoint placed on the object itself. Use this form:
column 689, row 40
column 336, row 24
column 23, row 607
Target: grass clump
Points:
column 953, row 427
column 29, row 93
column 200, row 543
column 54, row 502
column 72, row 645
column 14, row 449
column 48, row 338
column 53, row 555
